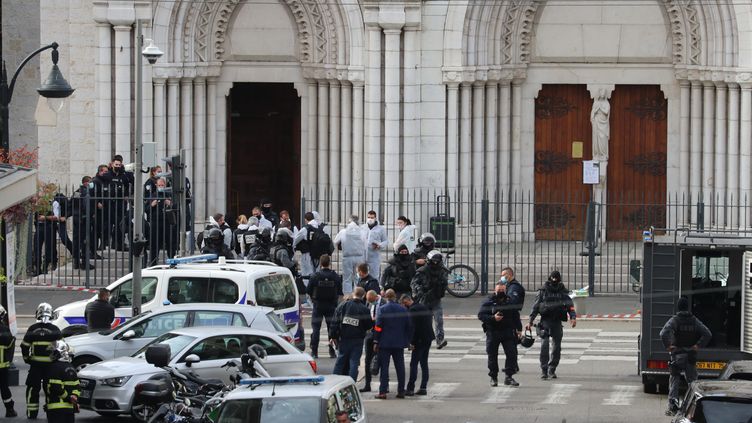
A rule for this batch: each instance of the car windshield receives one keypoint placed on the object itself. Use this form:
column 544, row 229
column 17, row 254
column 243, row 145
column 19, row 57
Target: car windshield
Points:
column 270, row 410
column 724, row 411
column 129, row 323
column 176, row 342
column 276, row 321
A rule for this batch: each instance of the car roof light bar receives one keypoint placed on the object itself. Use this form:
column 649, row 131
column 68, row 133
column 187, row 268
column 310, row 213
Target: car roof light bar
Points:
column 190, row 259
column 281, row 380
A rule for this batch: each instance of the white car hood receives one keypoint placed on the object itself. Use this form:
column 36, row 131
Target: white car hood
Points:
column 85, row 339
column 122, row 366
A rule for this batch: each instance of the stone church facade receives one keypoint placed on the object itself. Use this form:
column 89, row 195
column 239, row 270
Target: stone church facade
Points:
column 352, row 95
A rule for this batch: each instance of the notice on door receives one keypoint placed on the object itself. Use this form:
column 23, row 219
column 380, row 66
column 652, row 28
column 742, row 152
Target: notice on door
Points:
column 591, row 172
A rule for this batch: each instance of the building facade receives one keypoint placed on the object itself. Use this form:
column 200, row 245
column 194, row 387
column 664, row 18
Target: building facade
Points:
column 349, row 95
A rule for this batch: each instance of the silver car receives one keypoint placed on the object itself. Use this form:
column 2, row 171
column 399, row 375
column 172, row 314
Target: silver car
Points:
column 107, row 387
column 130, row 337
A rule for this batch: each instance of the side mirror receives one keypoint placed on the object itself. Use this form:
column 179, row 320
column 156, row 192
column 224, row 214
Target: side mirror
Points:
column 192, row 359
column 129, row 334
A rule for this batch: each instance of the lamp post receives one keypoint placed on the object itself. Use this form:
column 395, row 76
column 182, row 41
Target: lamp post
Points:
column 152, row 53
column 55, row 86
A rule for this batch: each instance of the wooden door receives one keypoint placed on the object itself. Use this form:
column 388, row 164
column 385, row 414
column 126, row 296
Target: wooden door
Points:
column 264, row 148
column 562, row 117
column 636, row 171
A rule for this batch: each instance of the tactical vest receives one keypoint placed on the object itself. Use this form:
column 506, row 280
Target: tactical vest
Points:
column 326, row 290
column 552, row 304
column 686, row 332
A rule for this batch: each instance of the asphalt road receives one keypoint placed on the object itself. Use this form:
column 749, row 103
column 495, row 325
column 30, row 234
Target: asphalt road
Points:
column 597, row 382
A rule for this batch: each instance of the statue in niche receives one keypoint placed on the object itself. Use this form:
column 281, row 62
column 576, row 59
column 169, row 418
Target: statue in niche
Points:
column 601, row 129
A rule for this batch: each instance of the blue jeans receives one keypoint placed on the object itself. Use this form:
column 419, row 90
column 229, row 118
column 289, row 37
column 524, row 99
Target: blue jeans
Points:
column 419, row 356
column 438, row 318
column 350, row 350
column 398, row 354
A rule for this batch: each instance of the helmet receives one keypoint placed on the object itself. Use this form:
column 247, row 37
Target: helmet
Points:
column 266, row 235
column 3, row 313
column 283, row 235
column 215, row 234
column 527, row 339
column 44, row 312
column 427, row 239
column 434, row 256
column 401, row 246
column 554, row 276
column 60, row 351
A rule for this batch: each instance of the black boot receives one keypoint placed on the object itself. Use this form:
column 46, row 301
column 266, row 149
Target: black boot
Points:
column 544, row 374
column 552, row 373
column 9, row 411
column 332, row 352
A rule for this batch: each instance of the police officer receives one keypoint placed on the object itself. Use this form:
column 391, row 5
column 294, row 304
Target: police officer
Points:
column 325, row 288
column 399, row 272
column 261, row 248
column 350, row 324
column 62, row 388
column 82, row 207
column 215, row 244
column 7, row 348
column 120, row 189
column 554, row 305
column 35, row 349
column 429, row 286
column 269, row 214
column 365, row 280
column 682, row 336
column 501, row 323
column 281, row 252
column 373, row 302
column 426, row 244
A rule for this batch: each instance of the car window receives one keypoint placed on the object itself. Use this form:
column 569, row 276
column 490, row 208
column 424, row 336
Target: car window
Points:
column 176, row 342
column 122, row 295
column 331, row 409
column 724, row 410
column 238, row 320
column 188, row 289
column 275, row 291
column 271, row 347
column 218, row 348
column 276, row 322
column 270, row 410
column 160, row 324
column 350, row 401
column 213, row 318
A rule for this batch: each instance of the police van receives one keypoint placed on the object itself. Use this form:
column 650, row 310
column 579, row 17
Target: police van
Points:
column 714, row 270
column 200, row 279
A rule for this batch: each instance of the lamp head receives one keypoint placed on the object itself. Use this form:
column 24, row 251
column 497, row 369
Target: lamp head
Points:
column 152, row 53
column 55, row 86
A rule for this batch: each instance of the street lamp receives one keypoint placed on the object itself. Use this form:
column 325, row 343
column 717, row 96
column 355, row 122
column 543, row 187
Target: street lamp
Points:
column 55, row 86
column 152, row 53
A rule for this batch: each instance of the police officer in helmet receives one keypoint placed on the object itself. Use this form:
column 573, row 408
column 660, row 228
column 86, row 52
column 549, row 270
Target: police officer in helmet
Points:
column 215, row 244
column 429, row 286
column 501, row 323
column 62, row 389
column 35, row 349
column 682, row 336
column 554, row 305
column 7, row 348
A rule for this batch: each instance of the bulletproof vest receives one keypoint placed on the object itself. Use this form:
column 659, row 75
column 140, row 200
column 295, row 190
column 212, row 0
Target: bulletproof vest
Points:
column 326, row 290
column 686, row 332
column 552, row 304
column 274, row 253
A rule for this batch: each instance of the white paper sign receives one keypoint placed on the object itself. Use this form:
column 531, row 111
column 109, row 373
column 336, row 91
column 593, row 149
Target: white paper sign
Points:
column 591, row 172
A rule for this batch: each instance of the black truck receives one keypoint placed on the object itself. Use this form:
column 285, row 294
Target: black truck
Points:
column 713, row 269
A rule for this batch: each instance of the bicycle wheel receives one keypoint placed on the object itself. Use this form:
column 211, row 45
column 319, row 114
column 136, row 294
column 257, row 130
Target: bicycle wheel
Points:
column 463, row 281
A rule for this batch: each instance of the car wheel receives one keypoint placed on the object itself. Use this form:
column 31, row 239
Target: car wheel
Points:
column 81, row 362
column 142, row 412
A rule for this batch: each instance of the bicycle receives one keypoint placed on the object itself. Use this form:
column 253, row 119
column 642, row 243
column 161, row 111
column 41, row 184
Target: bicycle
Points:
column 463, row 280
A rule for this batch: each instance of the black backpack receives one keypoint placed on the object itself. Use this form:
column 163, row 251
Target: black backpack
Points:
column 326, row 290
column 319, row 242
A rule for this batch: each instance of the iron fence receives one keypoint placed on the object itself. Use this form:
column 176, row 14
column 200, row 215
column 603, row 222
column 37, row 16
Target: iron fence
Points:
column 593, row 240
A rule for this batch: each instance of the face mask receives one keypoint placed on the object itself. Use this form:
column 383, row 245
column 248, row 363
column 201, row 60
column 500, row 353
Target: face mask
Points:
column 371, row 221
column 266, row 209
column 160, row 189
column 504, row 280
column 91, row 185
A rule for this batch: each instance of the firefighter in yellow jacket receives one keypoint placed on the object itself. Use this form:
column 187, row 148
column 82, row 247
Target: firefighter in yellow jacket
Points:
column 7, row 347
column 35, row 349
column 62, row 388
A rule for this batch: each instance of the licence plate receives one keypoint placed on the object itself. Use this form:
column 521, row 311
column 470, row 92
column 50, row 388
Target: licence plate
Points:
column 710, row 365
column 86, row 394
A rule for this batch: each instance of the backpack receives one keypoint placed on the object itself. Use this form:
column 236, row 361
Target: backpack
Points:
column 326, row 290
column 319, row 242
column 259, row 252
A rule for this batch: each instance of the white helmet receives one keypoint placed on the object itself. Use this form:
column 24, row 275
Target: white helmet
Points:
column 44, row 312
column 60, row 351
column 434, row 256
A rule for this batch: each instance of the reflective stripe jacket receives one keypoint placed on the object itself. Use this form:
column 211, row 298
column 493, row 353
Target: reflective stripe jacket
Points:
column 37, row 340
column 62, row 383
column 7, row 346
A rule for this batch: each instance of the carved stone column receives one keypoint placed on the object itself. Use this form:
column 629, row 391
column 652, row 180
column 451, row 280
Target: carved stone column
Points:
column 123, row 91
column 104, row 93
column 684, row 140
column 312, row 153
column 695, row 151
column 453, row 163
column 199, row 185
column 465, row 148
column 745, row 153
column 334, row 148
column 346, row 135
column 173, row 119
column 373, row 110
column 358, row 150
column 160, row 117
column 720, row 162
column 733, row 153
column 491, row 141
column 505, row 145
column 186, row 127
column 478, row 137
column 211, row 145
column 323, row 139
column 708, row 122
column 392, row 113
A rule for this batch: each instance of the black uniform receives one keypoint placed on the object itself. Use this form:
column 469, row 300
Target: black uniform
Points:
column 554, row 306
column 429, row 286
column 120, row 189
column 219, row 248
column 369, row 283
column 101, row 215
column 7, row 349
column 282, row 254
column 99, row 315
column 351, row 322
column 325, row 288
column 398, row 274
column 45, row 238
column 683, row 331
column 61, row 386
column 502, row 332
column 35, row 352
column 260, row 250
column 421, row 340
column 163, row 225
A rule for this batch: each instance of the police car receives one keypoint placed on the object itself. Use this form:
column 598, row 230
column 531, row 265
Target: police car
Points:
column 200, row 279
column 293, row 399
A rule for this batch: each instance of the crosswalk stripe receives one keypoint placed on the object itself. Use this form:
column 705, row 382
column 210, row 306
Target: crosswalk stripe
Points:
column 608, row 357
column 620, row 334
column 499, row 395
column 438, row 391
column 444, row 359
column 621, row 395
column 560, row 393
column 536, row 361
